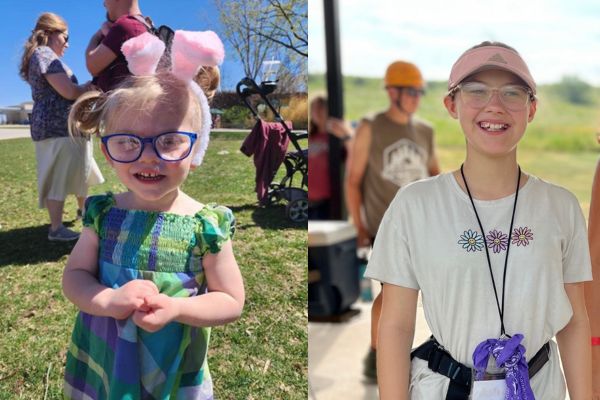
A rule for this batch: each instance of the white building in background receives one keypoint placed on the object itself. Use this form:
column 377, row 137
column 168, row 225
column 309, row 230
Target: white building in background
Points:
column 19, row 114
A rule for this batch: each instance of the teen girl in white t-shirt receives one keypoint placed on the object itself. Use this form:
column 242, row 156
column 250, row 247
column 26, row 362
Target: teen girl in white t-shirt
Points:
column 499, row 256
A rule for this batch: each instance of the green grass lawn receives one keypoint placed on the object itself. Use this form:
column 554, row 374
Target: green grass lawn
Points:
column 261, row 356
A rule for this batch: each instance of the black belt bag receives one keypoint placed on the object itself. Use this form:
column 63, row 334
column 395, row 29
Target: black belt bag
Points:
column 440, row 361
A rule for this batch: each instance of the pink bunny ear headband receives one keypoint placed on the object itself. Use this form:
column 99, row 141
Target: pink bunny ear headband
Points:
column 189, row 51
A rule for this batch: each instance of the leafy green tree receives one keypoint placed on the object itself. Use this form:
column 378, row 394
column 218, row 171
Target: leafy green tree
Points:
column 236, row 117
column 286, row 24
column 574, row 90
column 260, row 30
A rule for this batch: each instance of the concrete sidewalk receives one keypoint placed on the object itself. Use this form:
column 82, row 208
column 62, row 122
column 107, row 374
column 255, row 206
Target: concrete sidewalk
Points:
column 14, row 133
column 21, row 132
column 336, row 352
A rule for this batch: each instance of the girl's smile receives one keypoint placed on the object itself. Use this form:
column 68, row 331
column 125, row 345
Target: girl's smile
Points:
column 149, row 177
column 493, row 127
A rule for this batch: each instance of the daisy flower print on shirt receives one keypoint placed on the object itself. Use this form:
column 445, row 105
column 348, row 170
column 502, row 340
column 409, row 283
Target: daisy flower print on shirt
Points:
column 471, row 241
column 522, row 236
column 497, row 241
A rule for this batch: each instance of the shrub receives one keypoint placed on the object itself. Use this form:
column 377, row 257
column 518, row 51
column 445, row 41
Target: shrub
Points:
column 237, row 117
column 294, row 108
column 574, row 90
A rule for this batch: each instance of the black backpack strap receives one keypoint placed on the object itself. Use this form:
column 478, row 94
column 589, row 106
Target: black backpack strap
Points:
column 539, row 360
column 164, row 33
column 147, row 22
column 440, row 361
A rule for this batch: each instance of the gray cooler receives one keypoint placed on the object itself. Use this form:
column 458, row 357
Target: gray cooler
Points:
column 333, row 282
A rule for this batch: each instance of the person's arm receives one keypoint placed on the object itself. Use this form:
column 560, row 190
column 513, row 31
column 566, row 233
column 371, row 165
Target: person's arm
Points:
column 222, row 304
column 592, row 288
column 433, row 166
column 574, row 345
column 97, row 55
column 340, row 129
column 396, row 334
column 356, row 167
column 65, row 86
column 81, row 286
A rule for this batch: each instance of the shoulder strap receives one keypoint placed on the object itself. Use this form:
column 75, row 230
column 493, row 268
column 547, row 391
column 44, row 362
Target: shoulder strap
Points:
column 164, row 33
column 146, row 21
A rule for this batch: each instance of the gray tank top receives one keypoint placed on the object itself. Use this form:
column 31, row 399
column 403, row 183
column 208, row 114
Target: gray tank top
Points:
column 398, row 155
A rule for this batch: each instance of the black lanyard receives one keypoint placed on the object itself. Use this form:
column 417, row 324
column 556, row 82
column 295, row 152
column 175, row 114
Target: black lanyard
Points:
column 487, row 252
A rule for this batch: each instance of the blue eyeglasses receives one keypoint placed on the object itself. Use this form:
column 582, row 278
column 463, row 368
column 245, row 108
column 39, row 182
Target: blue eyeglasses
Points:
column 168, row 146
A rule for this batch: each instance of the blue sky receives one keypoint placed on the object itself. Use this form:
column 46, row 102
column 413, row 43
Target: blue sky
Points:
column 84, row 18
column 556, row 37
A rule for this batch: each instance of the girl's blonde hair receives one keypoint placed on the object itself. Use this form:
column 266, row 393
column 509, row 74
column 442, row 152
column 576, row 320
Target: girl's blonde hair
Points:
column 208, row 78
column 94, row 113
column 46, row 24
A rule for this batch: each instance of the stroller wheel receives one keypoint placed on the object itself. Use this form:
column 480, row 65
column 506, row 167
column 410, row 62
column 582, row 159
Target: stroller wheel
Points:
column 297, row 210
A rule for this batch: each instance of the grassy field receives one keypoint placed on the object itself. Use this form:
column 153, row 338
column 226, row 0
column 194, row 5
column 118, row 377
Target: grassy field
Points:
column 558, row 125
column 261, row 356
column 572, row 170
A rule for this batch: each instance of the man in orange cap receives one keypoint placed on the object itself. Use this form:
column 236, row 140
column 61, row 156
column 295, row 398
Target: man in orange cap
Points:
column 390, row 150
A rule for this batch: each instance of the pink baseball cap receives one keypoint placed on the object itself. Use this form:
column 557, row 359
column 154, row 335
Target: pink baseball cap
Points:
column 489, row 57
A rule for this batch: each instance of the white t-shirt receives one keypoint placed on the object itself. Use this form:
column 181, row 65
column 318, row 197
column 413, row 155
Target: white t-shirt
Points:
column 430, row 240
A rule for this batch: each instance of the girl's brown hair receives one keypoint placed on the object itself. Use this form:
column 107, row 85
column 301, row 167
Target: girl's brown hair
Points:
column 46, row 24
column 317, row 101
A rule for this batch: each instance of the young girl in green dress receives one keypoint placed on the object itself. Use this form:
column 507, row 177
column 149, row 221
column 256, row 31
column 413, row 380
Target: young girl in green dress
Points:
column 153, row 269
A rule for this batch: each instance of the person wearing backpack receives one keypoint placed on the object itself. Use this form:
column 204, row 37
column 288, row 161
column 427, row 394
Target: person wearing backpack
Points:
column 103, row 56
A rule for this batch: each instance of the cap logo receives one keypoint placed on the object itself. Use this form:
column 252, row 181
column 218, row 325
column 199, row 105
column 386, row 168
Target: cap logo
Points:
column 497, row 58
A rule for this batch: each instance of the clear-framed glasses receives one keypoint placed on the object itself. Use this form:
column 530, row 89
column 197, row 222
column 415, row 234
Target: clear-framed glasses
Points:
column 168, row 146
column 411, row 91
column 478, row 95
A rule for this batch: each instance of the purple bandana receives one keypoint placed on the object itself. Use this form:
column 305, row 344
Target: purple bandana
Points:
column 510, row 355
